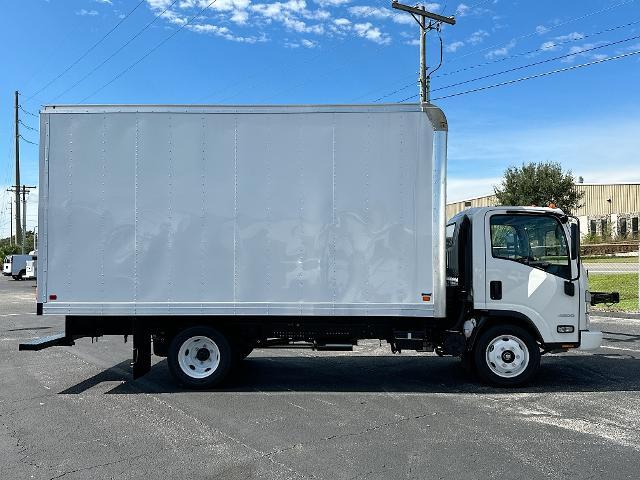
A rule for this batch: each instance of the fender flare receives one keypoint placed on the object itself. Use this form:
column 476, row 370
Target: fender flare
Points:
column 486, row 317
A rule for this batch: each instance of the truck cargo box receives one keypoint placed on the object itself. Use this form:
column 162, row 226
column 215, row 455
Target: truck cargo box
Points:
column 242, row 210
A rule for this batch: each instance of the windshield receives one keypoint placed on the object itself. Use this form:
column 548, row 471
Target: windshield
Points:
column 534, row 240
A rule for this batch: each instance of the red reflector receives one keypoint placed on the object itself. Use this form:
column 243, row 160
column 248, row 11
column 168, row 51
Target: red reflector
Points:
column 53, row 297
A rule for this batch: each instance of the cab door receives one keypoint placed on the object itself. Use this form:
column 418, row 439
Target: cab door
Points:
column 529, row 272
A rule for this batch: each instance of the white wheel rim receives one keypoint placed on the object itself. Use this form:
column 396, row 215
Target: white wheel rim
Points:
column 507, row 356
column 199, row 357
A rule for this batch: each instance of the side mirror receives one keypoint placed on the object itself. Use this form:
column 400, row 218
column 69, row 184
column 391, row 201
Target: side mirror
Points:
column 575, row 241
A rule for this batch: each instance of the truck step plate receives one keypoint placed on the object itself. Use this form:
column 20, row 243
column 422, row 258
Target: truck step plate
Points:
column 41, row 343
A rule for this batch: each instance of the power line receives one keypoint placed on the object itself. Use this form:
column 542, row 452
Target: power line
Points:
column 539, row 49
column 573, row 54
column 28, row 127
column 89, row 50
column 553, row 27
column 27, row 112
column 515, row 55
column 122, row 47
column 530, row 77
column 149, row 52
column 28, row 141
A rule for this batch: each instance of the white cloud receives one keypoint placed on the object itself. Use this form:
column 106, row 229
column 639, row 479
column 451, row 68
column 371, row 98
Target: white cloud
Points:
column 83, row 12
column 503, row 51
column 541, row 29
column 362, row 11
column 452, row 47
column 293, row 15
column 579, row 51
column 462, row 10
column 225, row 33
column 288, row 14
column 332, row 3
column 368, row 31
column 570, row 36
column 107, row 2
column 477, row 37
column 240, row 17
column 548, row 46
column 552, row 45
column 302, row 43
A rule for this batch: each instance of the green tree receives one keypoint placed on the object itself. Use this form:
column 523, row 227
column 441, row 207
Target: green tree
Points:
column 7, row 249
column 539, row 184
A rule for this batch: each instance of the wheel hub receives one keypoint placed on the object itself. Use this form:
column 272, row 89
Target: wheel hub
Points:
column 199, row 357
column 507, row 356
column 203, row 354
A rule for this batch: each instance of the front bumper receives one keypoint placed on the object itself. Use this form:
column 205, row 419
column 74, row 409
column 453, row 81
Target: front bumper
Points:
column 590, row 340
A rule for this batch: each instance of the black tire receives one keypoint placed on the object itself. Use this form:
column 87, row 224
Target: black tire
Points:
column 518, row 362
column 192, row 371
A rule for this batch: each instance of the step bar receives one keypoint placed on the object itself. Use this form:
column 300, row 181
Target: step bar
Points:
column 57, row 340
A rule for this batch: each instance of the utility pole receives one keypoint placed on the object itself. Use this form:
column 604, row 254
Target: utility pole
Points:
column 11, row 222
column 24, row 217
column 25, row 191
column 17, row 190
column 21, row 222
column 422, row 78
column 420, row 15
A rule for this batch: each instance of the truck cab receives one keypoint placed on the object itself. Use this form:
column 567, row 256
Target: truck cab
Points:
column 32, row 266
column 517, row 270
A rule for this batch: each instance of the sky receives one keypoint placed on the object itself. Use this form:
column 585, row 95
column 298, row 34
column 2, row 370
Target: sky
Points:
column 344, row 51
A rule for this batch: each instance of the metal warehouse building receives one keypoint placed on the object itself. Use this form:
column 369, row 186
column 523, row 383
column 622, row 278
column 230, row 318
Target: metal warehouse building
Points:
column 607, row 208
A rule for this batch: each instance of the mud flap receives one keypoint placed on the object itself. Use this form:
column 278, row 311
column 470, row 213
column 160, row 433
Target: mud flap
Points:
column 141, row 350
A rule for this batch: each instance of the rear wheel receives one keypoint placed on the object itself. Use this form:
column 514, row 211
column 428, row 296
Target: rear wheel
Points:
column 506, row 355
column 199, row 357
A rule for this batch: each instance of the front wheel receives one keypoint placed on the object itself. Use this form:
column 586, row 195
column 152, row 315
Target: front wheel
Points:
column 199, row 357
column 506, row 356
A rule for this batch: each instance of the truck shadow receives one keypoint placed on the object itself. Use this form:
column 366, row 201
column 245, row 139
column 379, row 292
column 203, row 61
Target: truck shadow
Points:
column 589, row 373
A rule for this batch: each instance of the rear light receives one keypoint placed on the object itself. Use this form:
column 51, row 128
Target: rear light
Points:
column 53, row 296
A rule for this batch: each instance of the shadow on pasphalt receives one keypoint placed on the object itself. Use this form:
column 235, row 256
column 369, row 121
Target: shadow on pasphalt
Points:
column 593, row 373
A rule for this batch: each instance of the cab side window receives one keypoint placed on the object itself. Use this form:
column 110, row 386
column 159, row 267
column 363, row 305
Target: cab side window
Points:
column 534, row 240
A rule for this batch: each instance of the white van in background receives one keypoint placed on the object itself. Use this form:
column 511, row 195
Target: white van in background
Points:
column 32, row 266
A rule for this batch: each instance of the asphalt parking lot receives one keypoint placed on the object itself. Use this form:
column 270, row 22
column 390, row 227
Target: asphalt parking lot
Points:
column 76, row 413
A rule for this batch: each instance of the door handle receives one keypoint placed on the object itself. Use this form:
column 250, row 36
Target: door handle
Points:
column 495, row 290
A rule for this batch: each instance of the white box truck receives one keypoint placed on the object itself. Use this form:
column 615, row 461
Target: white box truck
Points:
column 207, row 231
column 15, row 265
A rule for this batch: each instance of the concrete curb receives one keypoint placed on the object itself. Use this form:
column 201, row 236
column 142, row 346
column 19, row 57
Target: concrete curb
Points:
column 597, row 313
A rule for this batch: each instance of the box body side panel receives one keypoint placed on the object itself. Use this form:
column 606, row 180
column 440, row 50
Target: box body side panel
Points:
column 274, row 213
